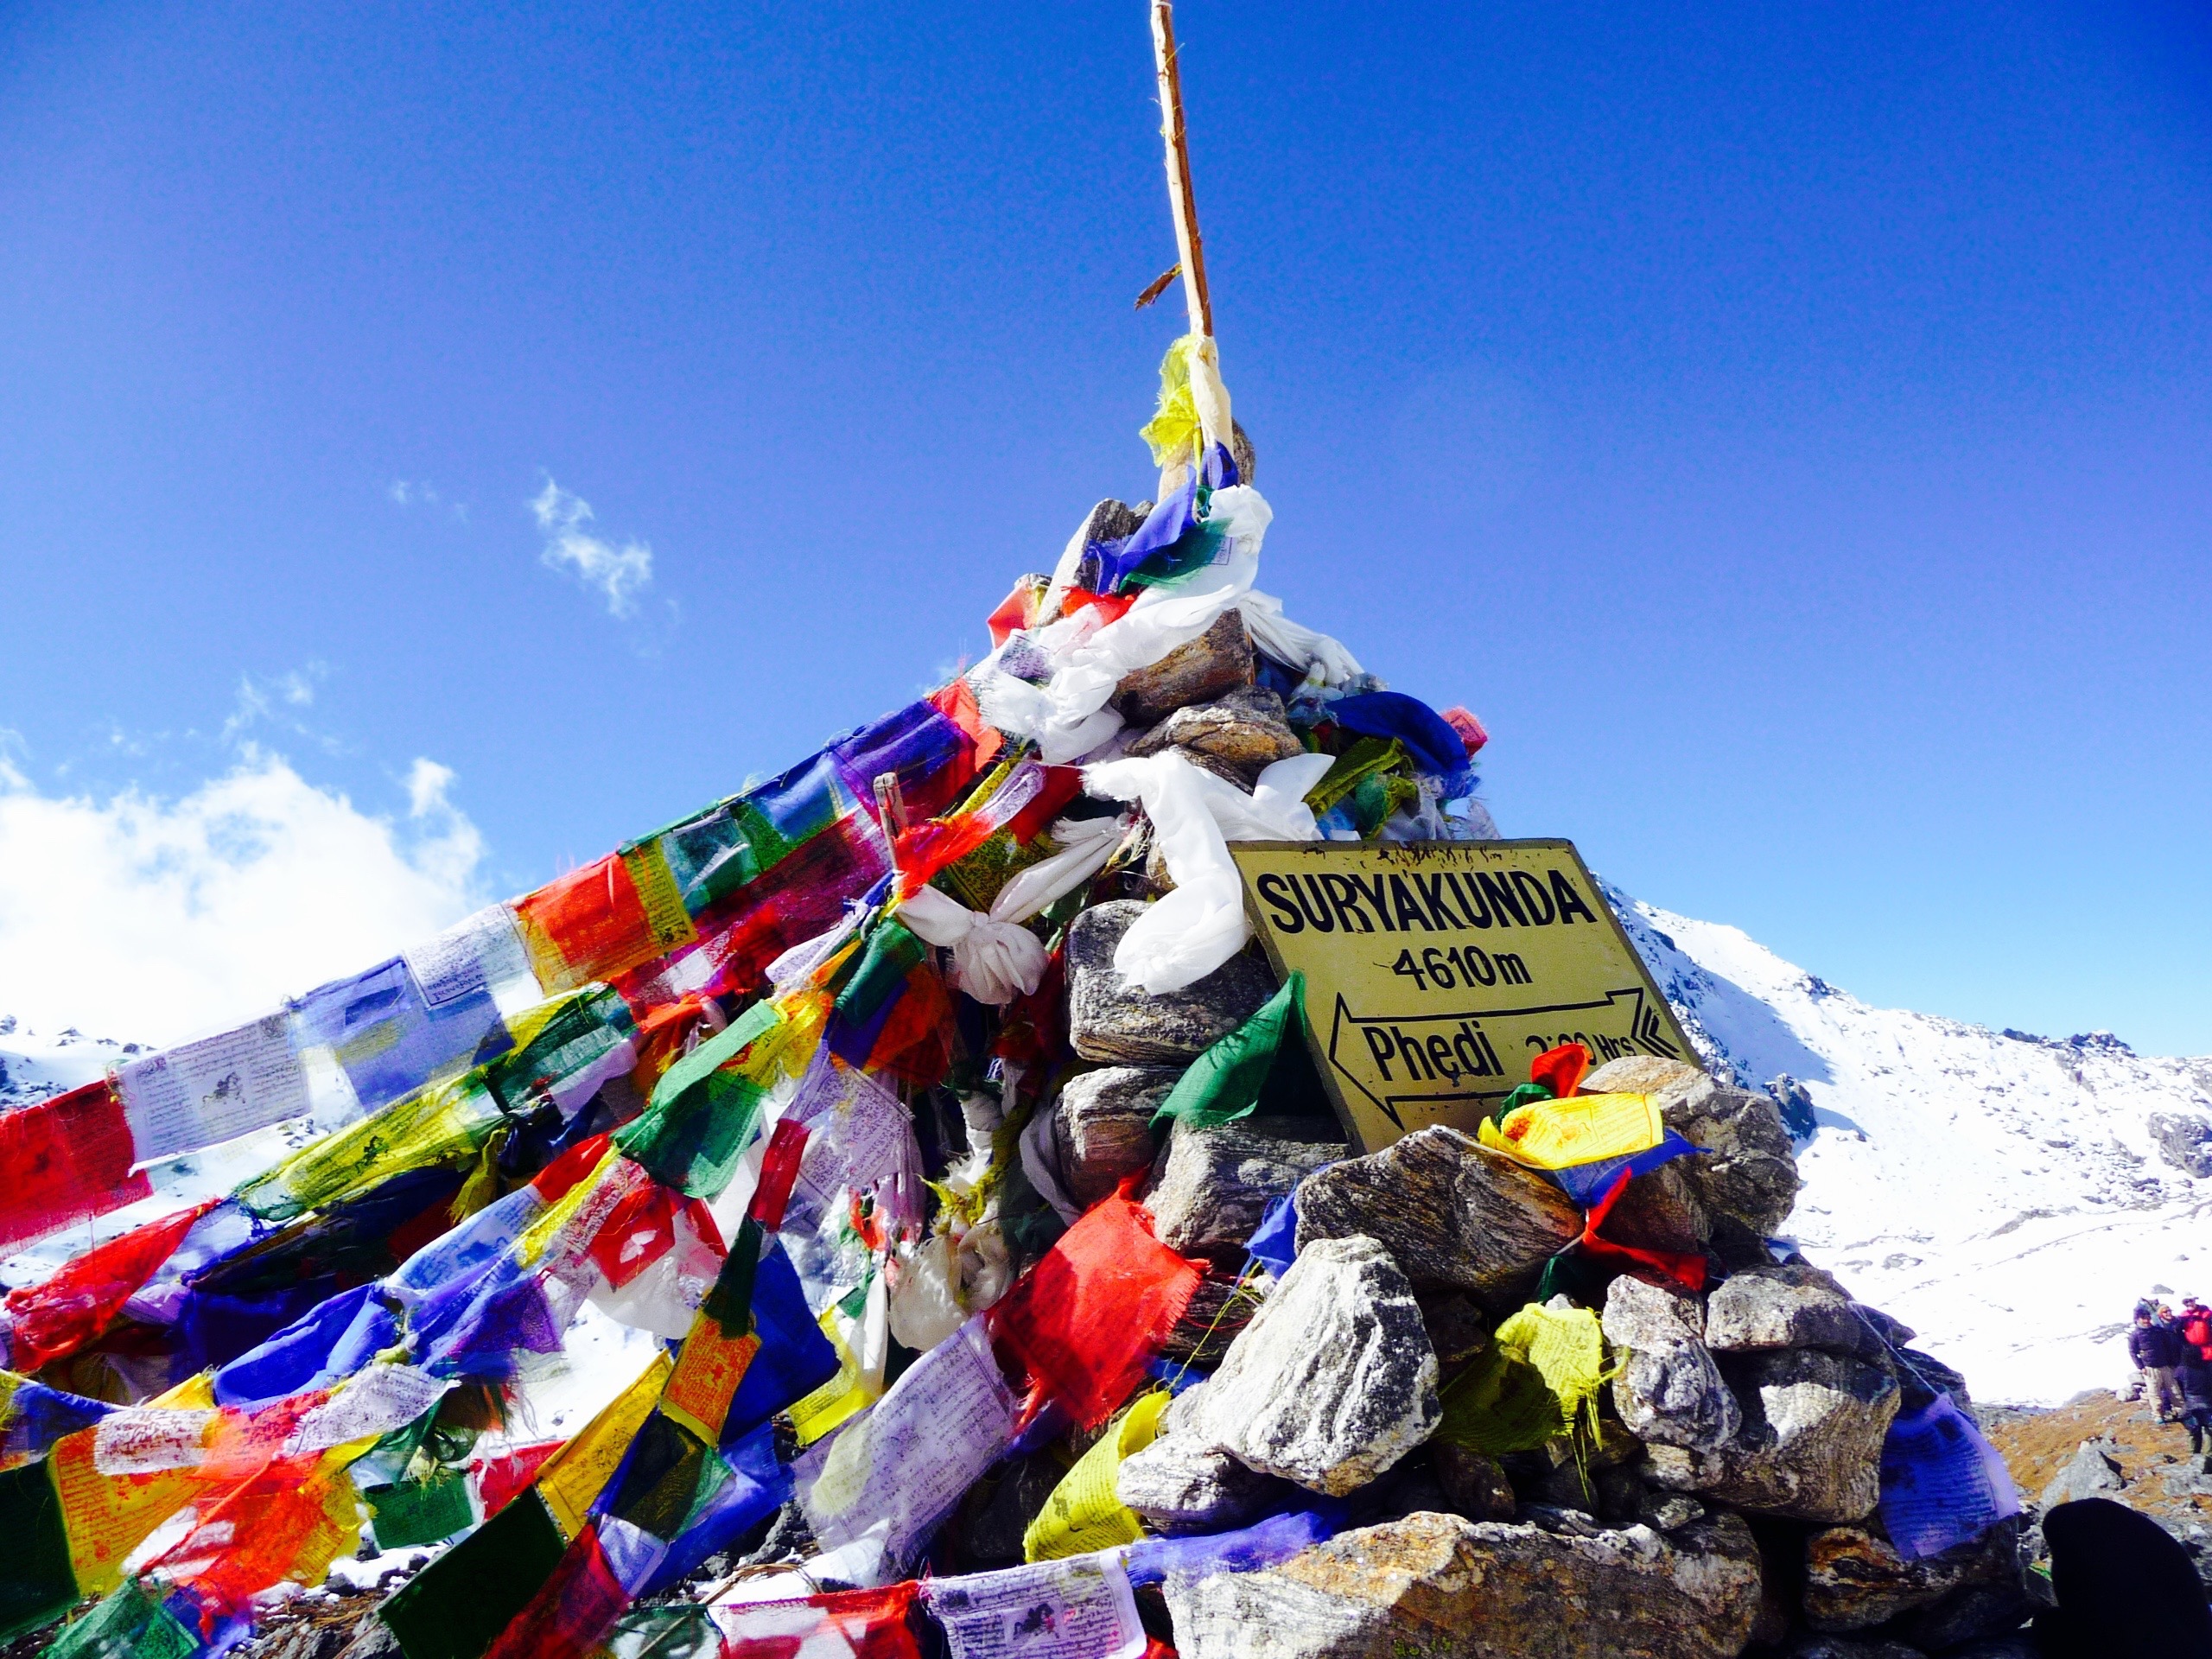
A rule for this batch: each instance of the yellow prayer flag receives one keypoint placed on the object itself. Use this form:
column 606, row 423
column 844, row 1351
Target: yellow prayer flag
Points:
column 1085, row 1513
column 1555, row 1133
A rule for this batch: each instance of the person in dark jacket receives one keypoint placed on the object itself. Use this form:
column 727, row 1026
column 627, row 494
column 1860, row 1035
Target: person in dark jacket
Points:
column 2126, row 1588
column 2155, row 1349
column 2195, row 1375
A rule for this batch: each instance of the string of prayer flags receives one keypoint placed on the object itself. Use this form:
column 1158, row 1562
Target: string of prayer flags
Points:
column 214, row 1089
column 1086, row 1318
column 47, row 1320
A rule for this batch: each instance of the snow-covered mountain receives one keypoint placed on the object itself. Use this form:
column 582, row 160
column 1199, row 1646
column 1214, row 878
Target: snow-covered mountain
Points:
column 2008, row 1196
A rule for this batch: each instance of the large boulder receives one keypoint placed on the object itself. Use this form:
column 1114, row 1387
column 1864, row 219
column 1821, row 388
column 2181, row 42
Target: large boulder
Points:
column 1811, row 1444
column 1431, row 1586
column 1670, row 1390
column 1102, row 1126
column 1748, row 1175
column 1450, row 1212
column 2094, row 1471
column 1245, row 731
column 1854, row 1580
column 1333, row 1380
column 1122, row 1024
column 1215, row 1184
column 1215, row 664
column 1764, row 1308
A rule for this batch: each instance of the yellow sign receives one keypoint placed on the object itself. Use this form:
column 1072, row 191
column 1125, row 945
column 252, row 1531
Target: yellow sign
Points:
column 1436, row 970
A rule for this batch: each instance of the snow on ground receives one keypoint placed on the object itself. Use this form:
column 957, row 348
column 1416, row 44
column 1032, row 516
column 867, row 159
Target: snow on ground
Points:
column 2004, row 1194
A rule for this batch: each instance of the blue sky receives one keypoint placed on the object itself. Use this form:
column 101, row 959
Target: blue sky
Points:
column 1786, row 427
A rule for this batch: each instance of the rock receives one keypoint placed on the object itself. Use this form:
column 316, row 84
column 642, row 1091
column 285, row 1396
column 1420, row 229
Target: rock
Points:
column 1019, row 1490
column 1668, row 1511
column 1214, row 1185
column 1670, row 1390
column 1761, row 1308
column 1452, row 1213
column 1102, row 1126
column 1474, row 1484
column 1794, row 1102
column 1843, row 1647
column 1217, row 1316
column 2093, row 1472
column 1749, row 1174
column 1854, row 1580
column 1970, row 1612
column 1440, row 1585
column 1661, row 1210
column 1122, row 1024
column 1218, row 662
column 1180, row 1486
column 1110, row 521
column 1810, row 1446
column 2184, row 1140
column 1246, row 730
column 1457, row 1329
column 1333, row 1380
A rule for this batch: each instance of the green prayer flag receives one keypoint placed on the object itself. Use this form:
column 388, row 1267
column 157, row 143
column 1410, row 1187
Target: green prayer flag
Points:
column 456, row 1606
column 421, row 1511
column 702, row 1114
column 1223, row 1083
column 129, row 1625
column 39, row 1585
column 891, row 953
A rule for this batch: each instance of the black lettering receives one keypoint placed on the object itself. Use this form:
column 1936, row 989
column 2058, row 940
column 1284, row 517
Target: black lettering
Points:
column 1401, row 901
column 1319, row 916
column 1478, row 964
column 1499, row 892
column 1471, row 898
column 1497, row 1065
column 1570, row 902
column 1511, row 968
column 1377, row 897
column 1378, row 1045
column 1441, row 915
column 1275, row 896
column 1439, row 1059
column 1409, row 1051
column 1343, row 898
column 1468, row 1047
column 1539, row 901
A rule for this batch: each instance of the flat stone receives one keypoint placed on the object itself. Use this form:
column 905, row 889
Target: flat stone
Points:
column 1457, row 1329
column 1215, row 664
column 1810, row 1446
column 1122, row 1024
column 1432, row 1584
column 1474, row 1483
column 1761, row 1308
column 1669, row 1391
column 1333, row 1380
column 1661, row 1210
column 1749, row 1174
column 1854, row 1580
column 1246, row 730
column 1214, row 1184
column 1452, row 1213
column 1180, row 1486
column 1102, row 1126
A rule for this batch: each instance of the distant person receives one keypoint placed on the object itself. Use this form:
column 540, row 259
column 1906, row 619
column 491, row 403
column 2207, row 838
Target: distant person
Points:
column 2126, row 1588
column 2156, row 1348
column 2195, row 1375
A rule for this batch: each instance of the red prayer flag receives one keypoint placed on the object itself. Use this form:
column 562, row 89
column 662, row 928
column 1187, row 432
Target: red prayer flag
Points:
column 1087, row 1319
column 66, row 1159
column 59, row 1315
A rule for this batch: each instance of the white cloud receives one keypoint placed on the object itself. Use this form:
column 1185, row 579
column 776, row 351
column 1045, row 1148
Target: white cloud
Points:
column 618, row 572
column 409, row 492
column 148, row 919
column 269, row 700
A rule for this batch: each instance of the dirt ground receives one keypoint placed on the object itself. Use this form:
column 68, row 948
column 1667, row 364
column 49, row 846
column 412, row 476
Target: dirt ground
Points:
column 2162, row 1479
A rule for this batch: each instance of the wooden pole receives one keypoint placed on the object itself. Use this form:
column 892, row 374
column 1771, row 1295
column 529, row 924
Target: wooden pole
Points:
column 1180, row 196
